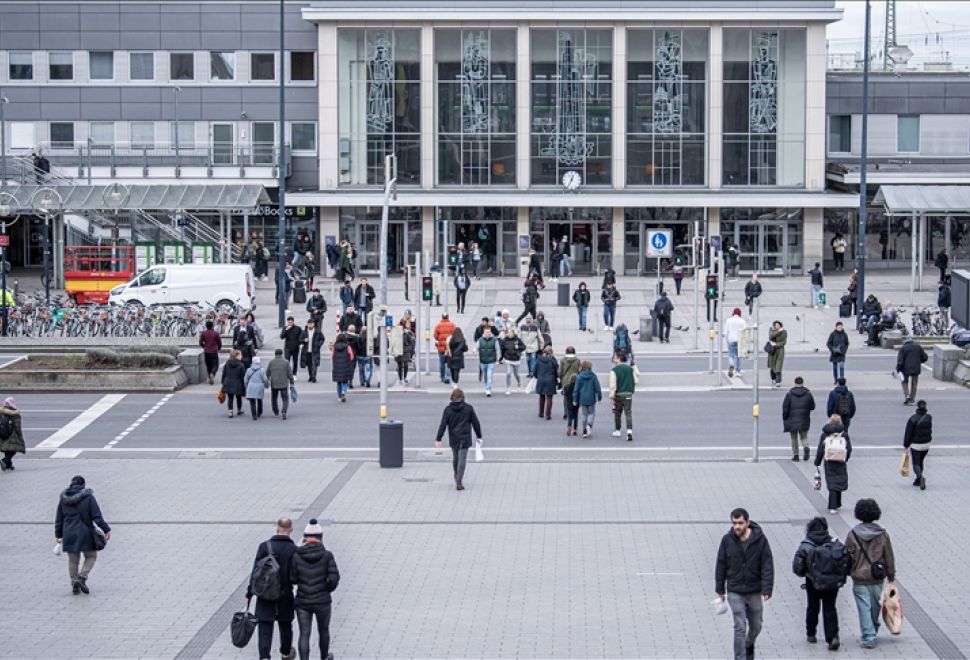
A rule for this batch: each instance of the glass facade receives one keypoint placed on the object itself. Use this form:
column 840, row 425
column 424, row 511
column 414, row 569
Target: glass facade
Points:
column 493, row 228
column 666, row 107
column 379, row 103
column 587, row 231
column 638, row 221
column 362, row 226
column 572, row 97
column 768, row 240
column 475, row 76
column 764, row 107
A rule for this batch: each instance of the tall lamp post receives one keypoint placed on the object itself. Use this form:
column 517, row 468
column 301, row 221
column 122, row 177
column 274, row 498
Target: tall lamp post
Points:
column 863, row 155
column 177, row 90
column 281, row 132
column 390, row 192
column 48, row 201
column 9, row 213
column 3, row 141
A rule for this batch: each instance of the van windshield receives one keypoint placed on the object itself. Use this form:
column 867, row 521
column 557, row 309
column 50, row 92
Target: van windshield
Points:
column 152, row 277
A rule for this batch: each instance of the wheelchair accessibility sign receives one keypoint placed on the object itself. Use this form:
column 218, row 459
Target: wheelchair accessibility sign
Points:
column 660, row 243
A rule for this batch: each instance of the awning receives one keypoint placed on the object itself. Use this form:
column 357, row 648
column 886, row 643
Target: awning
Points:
column 928, row 200
column 213, row 197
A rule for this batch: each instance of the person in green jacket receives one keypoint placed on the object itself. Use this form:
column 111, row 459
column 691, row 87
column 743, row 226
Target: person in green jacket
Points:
column 777, row 338
column 623, row 384
column 487, row 356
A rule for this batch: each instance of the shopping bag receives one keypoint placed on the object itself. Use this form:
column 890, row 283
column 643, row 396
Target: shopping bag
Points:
column 221, row 396
column 479, row 456
column 892, row 609
column 530, row 386
column 821, row 298
column 904, row 464
column 58, row 549
column 293, row 394
column 242, row 627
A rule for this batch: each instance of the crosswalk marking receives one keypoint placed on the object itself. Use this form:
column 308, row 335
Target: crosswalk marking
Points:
column 81, row 422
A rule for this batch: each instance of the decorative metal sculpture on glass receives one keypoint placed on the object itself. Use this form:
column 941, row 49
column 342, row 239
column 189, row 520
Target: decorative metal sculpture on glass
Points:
column 474, row 83
column 763, row 116
column 668, row 98
column 569, row 144
column 380, row 79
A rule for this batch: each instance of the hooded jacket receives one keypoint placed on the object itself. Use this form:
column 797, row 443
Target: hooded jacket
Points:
column 833, row 401
column 801, row 564
column 460, row 420
column 77, row 509
column 919, row 431
column 875, row 541
column 233, row 372
column 797, row 409
column 838, row 345
column 343, row 365
column 836, row 473
column 15, row 442
column 910, row 359
column 568, row 368
column 256, row 382
column 546, row 375
column 512, row 349
column 587, row 391
column 744, row 568
column 529, row 333
column 313, row 571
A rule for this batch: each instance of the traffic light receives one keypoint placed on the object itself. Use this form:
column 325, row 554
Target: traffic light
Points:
column 427, row 290
column 452, row 256
column 710, row 289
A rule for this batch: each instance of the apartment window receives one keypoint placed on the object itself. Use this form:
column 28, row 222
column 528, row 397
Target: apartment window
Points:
column 62, row 66
column 186, row 134
column 142, row 66
column 102, row 133
column 143, row 135
column 62, row 135
column 907, row 133
column 302, row 65
column 101, row 65
column 264, row 137
column 21, row 66
column 182, row 66
column 262, row 66
column 222, row 65
column 840, row 134
column 303, row 136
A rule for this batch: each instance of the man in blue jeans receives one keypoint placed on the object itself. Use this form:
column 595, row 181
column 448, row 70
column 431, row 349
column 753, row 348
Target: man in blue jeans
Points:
column 872, row 562
column 745, row 575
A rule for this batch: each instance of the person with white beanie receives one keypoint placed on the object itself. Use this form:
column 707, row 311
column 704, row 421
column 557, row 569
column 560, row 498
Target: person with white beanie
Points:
column 256, row 384
column 313, row 571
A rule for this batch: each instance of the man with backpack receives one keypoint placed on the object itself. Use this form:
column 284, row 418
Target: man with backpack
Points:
column 623, row 342
column 824, row 562
column 610, row 296
column 663, row 308
column 842, row 403
column 835, row 449
column 270, row 583
column 872, row 562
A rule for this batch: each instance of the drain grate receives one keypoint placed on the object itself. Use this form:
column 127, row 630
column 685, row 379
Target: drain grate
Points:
column 419, row 480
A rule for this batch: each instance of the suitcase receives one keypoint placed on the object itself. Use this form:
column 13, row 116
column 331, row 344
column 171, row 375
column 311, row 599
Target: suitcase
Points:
column 299, row 292
column 845, row 310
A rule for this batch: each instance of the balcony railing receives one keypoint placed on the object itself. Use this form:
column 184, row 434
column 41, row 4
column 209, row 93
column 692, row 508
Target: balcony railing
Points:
column 149, row 158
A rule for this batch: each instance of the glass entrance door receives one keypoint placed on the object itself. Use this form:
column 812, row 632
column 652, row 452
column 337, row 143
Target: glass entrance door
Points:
column 761, row 247
column 368, row 244
column 488, row 236
column 223, row 143
column 580, row 245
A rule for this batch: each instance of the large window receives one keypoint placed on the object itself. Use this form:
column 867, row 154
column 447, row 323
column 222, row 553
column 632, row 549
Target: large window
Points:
column 21, row 66
column 475, row 72
column 302, row 65
column 61, row 66
column 303, row 136
column 572, row 95
column 907, row 133
column 62, row 135
column 666, row 98
column 143, row 135
column 764, row 107
column 840, row 133
column 101, row 64
column 379, row 103
column 222, row 65
column 262, row 66
column 102, row 133
column 186, row 134
column 142, row 66
column 182, row 66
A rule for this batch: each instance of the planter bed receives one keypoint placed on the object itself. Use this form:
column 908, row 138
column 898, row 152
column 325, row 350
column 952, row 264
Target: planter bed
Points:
column 45, row 373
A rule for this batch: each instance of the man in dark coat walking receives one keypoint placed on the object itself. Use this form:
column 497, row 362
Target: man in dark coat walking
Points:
column 279, row 611
column 312, row 339
column 745, row 575
column 796, row 413
column 841, row 402
column 77, row 514
column 364, row 296
column 460, row 419
column 909, row 363
column 663, row 308
column 292, row 336
column 838, row 345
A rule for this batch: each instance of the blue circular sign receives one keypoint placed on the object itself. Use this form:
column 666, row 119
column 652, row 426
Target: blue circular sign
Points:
column 658, row 241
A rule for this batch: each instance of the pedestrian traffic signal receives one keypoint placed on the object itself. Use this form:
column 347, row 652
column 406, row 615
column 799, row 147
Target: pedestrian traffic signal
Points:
column 427, row 290
column 452, row 256
column 710, row 291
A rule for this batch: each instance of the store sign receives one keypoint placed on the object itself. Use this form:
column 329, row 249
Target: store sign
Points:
column 4, row 240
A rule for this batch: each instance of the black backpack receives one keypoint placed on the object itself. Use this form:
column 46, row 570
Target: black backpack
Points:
column 830, row 565
column 266, row 581
column 843, row 404
column 6, row 427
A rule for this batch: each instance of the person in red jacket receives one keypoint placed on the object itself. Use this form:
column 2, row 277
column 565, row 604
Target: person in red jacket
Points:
column 441, row 333
column 211, row 344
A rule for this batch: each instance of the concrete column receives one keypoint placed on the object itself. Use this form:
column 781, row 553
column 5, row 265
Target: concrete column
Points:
column 616, row 240
column 327, row 129
column 812, row 238
column 523, row 108
column 427, row 106
column 815, row 134
column 428, row 228
column 619, row 113
column 715, row 108
column 713, row 222
column 521, row 229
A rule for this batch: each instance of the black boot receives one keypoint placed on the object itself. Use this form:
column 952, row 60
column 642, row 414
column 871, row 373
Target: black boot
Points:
column 82, row 584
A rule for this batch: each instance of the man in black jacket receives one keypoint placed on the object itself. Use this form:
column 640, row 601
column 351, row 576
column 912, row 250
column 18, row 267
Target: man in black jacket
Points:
column 460, row 419
column 316, row 306
column 663, row 308
column 279, row 611
column 313, row 571
column 364, row 298
column 351, row 318
column 530, row 297
column 796, row 415
column 752, row 290
column 312, row 340
column 838, row 345
column 244, row 341
column 909, row 363
column 745, row 574
column 292, row 336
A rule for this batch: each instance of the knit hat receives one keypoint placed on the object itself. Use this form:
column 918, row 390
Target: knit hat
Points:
column 10, row 403
column 737, row 311
column 313, row 529
column 256, row 360
column 77, row 480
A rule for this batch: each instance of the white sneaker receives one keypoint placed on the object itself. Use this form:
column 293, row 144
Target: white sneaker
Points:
column 616, row 433
column 833, row 511
column 488, row 393
column 508, row 392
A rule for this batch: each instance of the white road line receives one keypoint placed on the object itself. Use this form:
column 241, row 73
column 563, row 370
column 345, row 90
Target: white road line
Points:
column 81, row 422
column 139, row 421
column 67, row 453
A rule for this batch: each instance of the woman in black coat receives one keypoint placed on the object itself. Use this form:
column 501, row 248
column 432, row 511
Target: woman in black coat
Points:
column 455, row 350
column 233, row 381
column 344, row 365
column 547, row 375
column 77, row 514
column 313, row 571
column 836, row 472
column 918, row 436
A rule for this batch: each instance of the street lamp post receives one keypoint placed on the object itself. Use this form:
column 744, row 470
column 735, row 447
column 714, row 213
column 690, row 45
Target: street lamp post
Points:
column 281, row 218
column 3, row 143
column 8, row 207
column 861, row 249
column 390, row 192
column 176, row 90
column 48, row 201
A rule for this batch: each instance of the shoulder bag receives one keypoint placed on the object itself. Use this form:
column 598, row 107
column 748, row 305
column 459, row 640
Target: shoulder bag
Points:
column 878, row 568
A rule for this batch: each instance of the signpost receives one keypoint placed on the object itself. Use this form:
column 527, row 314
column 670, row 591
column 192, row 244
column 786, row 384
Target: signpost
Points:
column 660, row 243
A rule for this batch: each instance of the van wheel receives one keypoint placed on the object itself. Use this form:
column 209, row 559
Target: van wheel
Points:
column 135, row 303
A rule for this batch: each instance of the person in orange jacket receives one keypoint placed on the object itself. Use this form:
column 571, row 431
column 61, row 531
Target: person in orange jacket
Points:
column 442, row 331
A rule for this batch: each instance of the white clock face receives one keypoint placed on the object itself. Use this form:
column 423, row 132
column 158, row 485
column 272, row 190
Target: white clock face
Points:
column 571, row 180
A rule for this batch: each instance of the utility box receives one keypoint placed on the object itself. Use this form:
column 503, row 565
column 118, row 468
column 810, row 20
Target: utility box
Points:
column 391, row 438
column 562, row 291
column 945, row 360
column 648, row 326
column 523, row 267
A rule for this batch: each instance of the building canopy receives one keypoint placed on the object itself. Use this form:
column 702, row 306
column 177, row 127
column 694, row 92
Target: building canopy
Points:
column 162, row 197
column 926, row 200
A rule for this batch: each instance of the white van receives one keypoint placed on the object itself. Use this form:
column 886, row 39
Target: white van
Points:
column 170, row 284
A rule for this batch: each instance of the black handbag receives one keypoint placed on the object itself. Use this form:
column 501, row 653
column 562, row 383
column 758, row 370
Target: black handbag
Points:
column 242, row 627
column 100, row 538
column 769, row 348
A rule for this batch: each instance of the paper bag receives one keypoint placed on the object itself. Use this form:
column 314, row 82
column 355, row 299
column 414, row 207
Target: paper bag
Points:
column 904, row 464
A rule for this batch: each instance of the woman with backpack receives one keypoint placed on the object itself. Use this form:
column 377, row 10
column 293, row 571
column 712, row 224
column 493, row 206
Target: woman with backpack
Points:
column 343, row 366
column 834, row 450
column 11, row 433
column 919, row 434
column 623, row 342
column 824, row 562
